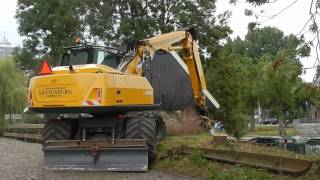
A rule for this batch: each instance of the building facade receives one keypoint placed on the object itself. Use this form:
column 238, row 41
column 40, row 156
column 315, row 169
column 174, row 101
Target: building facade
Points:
column 5, row 47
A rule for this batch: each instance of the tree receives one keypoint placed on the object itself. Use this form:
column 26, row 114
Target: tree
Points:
column 270, row 40
column 256, row 76
column 224, row 79
column 120, row 21
column 115, row 22
column 253, row 83
column 282, row 77
column 25, row 60
column 282, row 56
column 48, row 25
column 306, row 96
column 12, row 89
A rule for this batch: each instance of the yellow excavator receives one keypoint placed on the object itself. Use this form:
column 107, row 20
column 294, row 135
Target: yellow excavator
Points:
column 102, row 104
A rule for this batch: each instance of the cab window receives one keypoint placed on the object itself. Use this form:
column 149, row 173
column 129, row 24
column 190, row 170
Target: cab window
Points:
column 75, row 57
column 105, row 58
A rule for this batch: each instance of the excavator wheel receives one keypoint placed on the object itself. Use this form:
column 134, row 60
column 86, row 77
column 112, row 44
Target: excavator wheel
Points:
column 142, row 125
column 57, row 129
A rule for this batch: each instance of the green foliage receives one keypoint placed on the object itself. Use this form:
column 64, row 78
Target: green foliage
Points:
column 269, row 40
column 48, row 24
column 198, row 159
column 12, row 89
column 282, row 76
column 306, row 94
column 273, row 67
column 114, row 21
column 265, row 68
column 224, row 78
column 117, row 22
column 25, row 60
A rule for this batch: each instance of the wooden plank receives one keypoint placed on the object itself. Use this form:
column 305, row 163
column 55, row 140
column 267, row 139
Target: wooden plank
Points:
column 26, row 136
column 25, row 126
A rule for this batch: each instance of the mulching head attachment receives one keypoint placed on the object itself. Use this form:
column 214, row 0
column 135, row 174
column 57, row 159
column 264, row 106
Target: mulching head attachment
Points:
column 92, row 155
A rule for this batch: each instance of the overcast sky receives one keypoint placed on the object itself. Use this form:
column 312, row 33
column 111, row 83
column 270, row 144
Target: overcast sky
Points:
column 290, row 21
column 8, row 24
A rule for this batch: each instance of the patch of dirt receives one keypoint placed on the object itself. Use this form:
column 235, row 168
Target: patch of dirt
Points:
column 184, row 121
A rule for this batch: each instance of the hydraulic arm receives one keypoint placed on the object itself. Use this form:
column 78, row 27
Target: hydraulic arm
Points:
column 183, row 46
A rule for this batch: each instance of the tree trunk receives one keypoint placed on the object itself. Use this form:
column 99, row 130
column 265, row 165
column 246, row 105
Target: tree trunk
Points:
column 282, row 130
column 280, row 127
column 252, row 124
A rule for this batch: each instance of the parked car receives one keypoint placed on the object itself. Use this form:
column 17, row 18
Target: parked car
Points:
column 269, row 121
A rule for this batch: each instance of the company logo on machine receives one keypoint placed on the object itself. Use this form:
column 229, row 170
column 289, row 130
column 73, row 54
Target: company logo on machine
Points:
column 91, row 103
column 55, row 92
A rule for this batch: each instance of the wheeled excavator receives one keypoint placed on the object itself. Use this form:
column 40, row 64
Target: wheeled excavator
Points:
column 102, row 104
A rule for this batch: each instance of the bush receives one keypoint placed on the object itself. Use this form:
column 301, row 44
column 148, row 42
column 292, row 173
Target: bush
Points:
column 224, row 77
column 197, row 158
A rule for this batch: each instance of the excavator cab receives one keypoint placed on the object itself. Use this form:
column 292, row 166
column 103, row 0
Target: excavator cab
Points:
column 87, row 54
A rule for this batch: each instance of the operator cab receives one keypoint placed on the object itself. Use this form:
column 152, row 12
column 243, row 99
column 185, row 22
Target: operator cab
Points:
column 87, row 54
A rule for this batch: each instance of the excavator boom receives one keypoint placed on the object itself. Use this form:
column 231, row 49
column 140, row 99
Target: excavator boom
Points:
column 183, row 46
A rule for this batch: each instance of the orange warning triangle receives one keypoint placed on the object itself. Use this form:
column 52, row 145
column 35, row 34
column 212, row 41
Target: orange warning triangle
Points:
column 45, row 68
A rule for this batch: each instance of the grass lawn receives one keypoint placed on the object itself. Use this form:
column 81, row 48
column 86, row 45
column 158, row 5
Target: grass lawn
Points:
column 196, row 166
column 271, row 131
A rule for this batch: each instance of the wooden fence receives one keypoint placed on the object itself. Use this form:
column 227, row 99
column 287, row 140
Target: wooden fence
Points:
column 27, row 132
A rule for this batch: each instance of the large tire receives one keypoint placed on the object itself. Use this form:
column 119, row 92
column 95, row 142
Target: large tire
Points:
column 143, row 126
column 57, row 129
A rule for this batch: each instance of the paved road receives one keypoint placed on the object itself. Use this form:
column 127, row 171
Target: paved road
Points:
column 22, row 160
